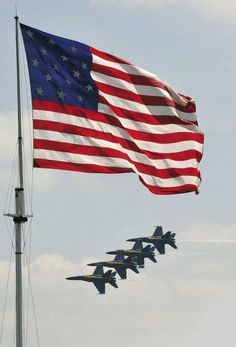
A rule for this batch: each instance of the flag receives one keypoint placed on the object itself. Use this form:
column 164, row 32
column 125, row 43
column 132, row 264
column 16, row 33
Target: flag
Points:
column 94, row 112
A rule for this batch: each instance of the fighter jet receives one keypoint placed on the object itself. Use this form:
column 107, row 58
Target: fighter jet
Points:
column 120, row 264
column 158, row 239
column 98, row 278
column 137, row 253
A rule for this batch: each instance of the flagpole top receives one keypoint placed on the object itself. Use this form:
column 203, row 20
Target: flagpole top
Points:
column 16, row 16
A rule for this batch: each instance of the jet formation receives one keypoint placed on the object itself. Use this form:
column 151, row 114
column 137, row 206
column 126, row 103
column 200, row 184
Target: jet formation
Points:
column 132, row 259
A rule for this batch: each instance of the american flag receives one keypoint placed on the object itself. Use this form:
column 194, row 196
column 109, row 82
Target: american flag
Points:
column 95, row 112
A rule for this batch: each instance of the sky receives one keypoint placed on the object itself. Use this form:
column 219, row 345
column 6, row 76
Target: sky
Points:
column 188, row 297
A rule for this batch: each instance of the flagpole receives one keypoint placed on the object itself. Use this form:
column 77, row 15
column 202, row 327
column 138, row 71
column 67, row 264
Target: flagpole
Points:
column 19, row 218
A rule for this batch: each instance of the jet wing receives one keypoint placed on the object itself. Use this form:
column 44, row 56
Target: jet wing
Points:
column 138, row 245
column 98, row 270
column 119, row 257
column 100, row 286
column 121, row 271
column 160, row 247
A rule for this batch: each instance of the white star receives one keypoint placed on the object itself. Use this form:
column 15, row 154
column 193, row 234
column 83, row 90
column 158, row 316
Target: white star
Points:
column 81, row 99
column 29, row 33
column 76, row 73
column 84, row 66
column 89, row 87
column 74, row 49
column 52, row 42
column 64, row 58
column 60, row 94
column 68, row 82
column 44, row 51
column 35, row 62
column 55, row 67
column 40, row 91
column 48, row 77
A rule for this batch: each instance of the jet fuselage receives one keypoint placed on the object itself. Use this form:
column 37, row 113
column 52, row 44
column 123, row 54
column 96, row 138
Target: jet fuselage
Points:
column 90, row 278
column 132, row 252
column 149, row 239
column 113, row 264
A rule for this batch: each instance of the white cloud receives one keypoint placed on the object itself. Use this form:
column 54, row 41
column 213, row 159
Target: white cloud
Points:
column 167, row 304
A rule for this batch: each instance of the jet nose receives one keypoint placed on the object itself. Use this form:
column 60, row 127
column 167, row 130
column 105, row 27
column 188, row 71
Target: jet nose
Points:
column 74, row 278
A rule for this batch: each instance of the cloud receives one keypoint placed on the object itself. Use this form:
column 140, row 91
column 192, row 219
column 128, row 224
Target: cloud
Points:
column 168, row 303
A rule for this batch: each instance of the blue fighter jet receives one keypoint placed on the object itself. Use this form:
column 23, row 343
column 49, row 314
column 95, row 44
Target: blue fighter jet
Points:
column 138, row 253
column 98, row 278
column 120, row 264
column 158, row 239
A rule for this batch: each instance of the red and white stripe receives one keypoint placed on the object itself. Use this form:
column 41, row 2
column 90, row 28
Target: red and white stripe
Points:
column 142, row 126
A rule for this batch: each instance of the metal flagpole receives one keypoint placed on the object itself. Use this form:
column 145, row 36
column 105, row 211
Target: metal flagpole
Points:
column 19, row 218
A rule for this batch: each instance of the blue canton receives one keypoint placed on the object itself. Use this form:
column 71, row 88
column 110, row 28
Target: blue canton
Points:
column 59, row 69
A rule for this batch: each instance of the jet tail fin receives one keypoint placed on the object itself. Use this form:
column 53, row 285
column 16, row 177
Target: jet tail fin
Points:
column 167, row 235
column 147, row 248
column 107, row 273
column 128, row 260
